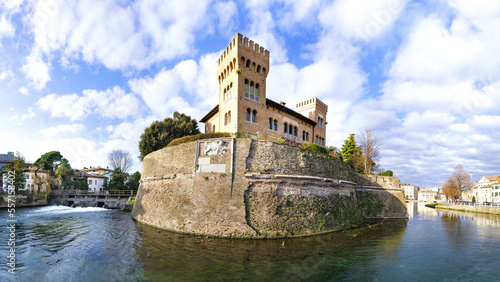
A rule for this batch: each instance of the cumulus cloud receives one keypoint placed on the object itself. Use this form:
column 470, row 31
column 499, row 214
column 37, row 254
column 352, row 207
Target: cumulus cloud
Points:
column 6, row 28
column 112, row 103
column 361, row 20
column 36, row 70
column 53, row 131
column 20, row 119
column 171, row 90
column 6, row 75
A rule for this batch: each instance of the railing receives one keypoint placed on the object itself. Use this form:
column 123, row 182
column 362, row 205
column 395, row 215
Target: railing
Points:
column 252, row 97
column 63, row 192
column 292, row 137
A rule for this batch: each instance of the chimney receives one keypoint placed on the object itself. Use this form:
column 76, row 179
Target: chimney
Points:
column 282, row 103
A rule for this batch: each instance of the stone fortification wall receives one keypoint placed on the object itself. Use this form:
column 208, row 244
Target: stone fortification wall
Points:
column 255, row 189
column 383, row 181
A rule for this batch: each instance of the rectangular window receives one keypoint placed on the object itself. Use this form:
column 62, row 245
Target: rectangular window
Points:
column 90, row 182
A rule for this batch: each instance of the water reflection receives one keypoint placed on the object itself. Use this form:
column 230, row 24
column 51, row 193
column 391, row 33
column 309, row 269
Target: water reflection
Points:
column 169, row 256
column 62, row 244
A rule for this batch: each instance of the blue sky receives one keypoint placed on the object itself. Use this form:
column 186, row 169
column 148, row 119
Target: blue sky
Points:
column 86, row 77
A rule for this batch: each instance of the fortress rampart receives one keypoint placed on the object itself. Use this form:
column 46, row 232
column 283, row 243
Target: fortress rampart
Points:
column 256, row 189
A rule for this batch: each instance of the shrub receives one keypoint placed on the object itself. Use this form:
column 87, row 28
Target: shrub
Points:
column 197, row 137
column 317, row 148
column 386, row 173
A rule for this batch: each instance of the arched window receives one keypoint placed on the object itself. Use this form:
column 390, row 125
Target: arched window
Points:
column 285, row 130
column 231, row 66
column 303, row 135
column 264, row 71
column 249, row 115
column 295, row 133
column 224, row 95
column 225, row 119
column 242, row 60
column 275, row 125
column 270, row 124
column 229, row 117
column 247, row 88
column 253, row 66
column 213, row 129
column 290, row 129
column 254, row 116
column 248, row 64
column 258, row 68
column 252, row 89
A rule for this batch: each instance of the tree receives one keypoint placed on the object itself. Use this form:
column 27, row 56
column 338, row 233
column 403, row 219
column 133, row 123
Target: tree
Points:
column 120, row 159
column 351, row 153
column 105, row 185
column 369, row 149
column 133, row 181
column 457, row 183
column 65, row 173
column 17, row 167
column 50, row 161
column 386, row 173
column 117, row 180
column 160, row 133
column 81, row 183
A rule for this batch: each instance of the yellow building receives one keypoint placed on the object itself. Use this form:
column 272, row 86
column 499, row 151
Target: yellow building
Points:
column 243, row 107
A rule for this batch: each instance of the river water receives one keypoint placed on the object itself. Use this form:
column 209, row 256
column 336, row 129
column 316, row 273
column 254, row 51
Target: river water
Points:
column 94, row 244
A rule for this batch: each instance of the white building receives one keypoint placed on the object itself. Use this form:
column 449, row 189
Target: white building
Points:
column 495, row 193
column 428, row 194
column 36, row 181
column 483, row 191
column 96, row 182
column 411, row 191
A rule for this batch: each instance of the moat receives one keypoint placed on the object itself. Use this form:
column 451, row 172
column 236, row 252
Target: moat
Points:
column 94, row 244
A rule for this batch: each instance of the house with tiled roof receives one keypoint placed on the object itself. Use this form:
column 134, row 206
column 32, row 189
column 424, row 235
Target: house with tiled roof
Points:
column 482, row 191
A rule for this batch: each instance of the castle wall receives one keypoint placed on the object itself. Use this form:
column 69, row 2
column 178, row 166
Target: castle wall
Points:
column 255, row 189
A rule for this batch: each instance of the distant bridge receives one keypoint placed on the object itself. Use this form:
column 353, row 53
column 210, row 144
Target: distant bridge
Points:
column 107, row 199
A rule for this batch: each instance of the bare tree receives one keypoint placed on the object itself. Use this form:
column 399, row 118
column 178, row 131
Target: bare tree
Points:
column 369, row 148
column 120, row 159
column 457, row 183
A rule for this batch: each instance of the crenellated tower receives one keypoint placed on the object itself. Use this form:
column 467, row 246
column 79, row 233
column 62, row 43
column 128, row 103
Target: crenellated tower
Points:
column 316, row 110
column 241, row 72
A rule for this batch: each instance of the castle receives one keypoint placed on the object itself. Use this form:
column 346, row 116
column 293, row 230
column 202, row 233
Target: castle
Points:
column 243, row 107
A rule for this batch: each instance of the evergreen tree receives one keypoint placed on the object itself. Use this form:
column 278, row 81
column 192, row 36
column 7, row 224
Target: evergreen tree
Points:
column 19, row 181
column 351, row 153
column 117, row 181
column 105, row 185
column 133, row 181
column 160, row 133
column 65, row 173
column 50, row 161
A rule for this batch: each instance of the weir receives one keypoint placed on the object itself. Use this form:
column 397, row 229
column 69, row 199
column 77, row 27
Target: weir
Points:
column 113, row 199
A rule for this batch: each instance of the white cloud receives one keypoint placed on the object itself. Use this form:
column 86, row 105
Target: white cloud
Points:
column 361, row 20
column 6, row 74
column 36, row 70
column 20, row 119
column 112, row 103
column 6, row 28
column 53, row 131
column 171, row 90
column 24, row 90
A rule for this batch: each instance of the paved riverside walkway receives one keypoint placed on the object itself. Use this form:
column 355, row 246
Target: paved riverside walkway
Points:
column 468, row 208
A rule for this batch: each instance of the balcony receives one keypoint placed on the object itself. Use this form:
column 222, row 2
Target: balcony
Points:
column 252, row 97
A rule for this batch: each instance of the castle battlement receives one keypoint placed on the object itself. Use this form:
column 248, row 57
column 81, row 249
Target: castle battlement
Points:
column 311, row 103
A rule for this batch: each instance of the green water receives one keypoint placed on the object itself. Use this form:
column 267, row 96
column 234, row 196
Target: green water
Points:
column 93, row 244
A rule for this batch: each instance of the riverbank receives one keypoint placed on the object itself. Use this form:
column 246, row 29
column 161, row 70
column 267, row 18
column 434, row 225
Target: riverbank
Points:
column 477, row 209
